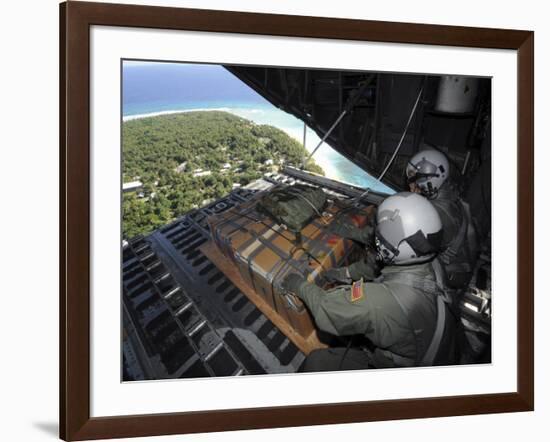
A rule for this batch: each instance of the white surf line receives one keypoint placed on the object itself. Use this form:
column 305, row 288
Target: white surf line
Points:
column 170, row 112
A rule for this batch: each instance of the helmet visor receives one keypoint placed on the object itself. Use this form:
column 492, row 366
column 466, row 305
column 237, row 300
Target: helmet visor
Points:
column 414, row 175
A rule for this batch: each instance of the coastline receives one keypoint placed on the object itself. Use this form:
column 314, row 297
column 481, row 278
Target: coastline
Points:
column 326, row 157
column 172, row 112
column 293, row 129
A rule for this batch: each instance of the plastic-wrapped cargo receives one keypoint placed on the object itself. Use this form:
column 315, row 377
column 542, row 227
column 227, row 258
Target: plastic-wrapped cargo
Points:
column 294, row 206
column 264, row 252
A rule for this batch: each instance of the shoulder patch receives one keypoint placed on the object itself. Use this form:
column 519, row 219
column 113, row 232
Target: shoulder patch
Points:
column 357, row 291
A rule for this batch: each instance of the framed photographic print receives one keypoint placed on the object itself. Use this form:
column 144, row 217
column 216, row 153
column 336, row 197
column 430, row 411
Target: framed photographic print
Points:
column 261, row 213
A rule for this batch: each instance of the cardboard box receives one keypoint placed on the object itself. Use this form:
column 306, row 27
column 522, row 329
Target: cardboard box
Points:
column 264, row 252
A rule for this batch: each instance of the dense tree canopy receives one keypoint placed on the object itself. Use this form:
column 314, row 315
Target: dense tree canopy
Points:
column 184, row 160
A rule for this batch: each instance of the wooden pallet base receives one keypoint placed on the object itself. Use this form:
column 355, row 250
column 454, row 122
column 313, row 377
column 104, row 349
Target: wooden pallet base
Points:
column 305, row 344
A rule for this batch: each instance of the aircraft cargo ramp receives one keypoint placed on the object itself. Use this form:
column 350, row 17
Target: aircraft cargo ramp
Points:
column 183, row 317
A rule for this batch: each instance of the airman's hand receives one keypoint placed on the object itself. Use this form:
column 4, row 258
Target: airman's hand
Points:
column 340, row 275
column 343, row 229
column 292, row 282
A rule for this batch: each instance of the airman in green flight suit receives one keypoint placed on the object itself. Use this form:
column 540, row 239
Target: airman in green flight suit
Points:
column 428, row 174
column 403, row 314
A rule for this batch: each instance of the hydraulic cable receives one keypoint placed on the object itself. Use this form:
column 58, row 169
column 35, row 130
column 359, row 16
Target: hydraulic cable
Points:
column 399, row 144
column 349, row 105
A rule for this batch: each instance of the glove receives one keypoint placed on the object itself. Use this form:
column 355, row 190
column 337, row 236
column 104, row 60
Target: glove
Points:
column 341, row 229
column 339, row 274
column 366, row 268
column 349, row 231
column 292, row 282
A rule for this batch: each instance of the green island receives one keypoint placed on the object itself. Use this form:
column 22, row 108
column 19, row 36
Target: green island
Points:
column 178, row 162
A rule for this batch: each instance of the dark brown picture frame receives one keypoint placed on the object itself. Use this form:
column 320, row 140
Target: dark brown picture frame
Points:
column 75, row 21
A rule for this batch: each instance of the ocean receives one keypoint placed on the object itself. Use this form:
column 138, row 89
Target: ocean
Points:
column 151, row 88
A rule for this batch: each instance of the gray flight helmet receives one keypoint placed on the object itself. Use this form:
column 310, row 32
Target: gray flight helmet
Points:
column 408, row 230
column 428, row 169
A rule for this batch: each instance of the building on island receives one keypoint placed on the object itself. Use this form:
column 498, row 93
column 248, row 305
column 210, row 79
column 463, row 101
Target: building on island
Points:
column 132, row 186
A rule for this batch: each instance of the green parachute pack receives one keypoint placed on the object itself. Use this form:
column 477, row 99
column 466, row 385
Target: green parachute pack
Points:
column 294, row 206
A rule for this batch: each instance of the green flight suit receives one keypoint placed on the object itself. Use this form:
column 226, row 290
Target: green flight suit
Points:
column 459, row 243
column 374, row 311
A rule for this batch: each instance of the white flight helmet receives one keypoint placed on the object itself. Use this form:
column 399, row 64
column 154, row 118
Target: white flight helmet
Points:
column 408, row 230
column 428, row 169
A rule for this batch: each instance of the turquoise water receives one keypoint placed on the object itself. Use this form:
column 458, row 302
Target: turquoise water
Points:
column 156, row 88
